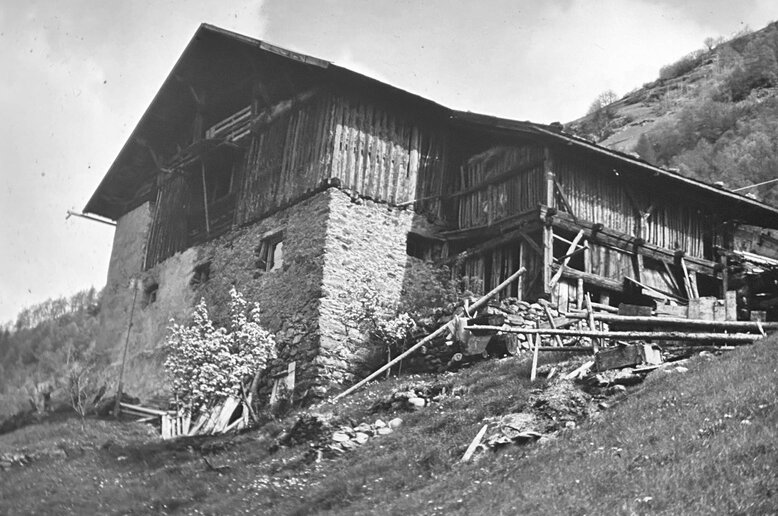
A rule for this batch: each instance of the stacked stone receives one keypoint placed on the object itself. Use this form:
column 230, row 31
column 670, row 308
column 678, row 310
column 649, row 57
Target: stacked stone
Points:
column 347, row 438
column 445, row 353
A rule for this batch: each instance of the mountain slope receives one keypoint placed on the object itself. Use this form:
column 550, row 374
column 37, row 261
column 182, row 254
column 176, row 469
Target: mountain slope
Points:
column 713, row 115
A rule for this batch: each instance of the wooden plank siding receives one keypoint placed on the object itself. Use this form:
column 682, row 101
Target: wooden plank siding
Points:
column 499, row 183
column 168, row 232
column 286, row 159
column 388, row 155
column 599, row 195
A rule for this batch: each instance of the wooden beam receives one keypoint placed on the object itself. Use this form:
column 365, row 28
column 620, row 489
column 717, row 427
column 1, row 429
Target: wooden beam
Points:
column 594, row 279
column 566, row 259
column 626, row 243
column 733, row 338
column 565, row 201
column 205, row 200
column 752, row 326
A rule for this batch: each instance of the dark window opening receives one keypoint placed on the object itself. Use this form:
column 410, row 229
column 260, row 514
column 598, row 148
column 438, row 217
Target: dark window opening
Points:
column 202, row 273
column 150, row 292
column 423, row 248
column 212, row 183
column 270, row 252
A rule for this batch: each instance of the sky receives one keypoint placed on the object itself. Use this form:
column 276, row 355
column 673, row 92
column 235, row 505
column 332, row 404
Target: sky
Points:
column 78, row 75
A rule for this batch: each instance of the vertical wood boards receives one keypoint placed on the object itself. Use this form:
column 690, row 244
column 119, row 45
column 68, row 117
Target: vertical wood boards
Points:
column 510, row 180
column 289, row 157
column 168, row 234
column 387, row 154
column 599, row 195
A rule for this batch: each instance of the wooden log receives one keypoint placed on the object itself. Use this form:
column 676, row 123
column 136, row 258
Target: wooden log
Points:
column 534, row 371
column 744, row 338
column 567, row 349
column 143, row 410
column 552, row 323
column 474, row 444
column 590, row 310
column 440, row 331
column 566, row 259
column 580, row 371
column 679, row 322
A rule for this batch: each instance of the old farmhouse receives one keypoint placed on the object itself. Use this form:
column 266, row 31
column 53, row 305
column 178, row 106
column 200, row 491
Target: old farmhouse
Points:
column 301, row 182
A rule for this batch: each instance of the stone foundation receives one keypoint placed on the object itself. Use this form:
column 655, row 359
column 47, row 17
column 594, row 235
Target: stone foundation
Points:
column 335, row 248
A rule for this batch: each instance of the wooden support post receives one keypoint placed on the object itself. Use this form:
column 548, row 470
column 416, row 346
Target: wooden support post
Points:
column 205, row 201
column 548, row 230
column 687, row 280
column 579, row 295
column 724, row 276
column 592, row 327
column 534, row 371
column 552, row 323
column 548, row 257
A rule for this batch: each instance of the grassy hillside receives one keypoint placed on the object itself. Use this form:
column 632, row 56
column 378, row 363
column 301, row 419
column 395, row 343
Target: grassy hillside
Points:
column 713, row 115
column 699, row 438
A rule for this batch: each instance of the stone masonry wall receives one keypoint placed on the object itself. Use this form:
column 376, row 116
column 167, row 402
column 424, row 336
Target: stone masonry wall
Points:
column 288, row 296
column 334, row 246
column 365, row 250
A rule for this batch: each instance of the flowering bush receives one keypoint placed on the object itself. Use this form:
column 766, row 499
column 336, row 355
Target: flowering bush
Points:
column 207, row 363
column 396, row 332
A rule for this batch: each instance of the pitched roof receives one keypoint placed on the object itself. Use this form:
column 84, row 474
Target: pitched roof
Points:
column 207, row 61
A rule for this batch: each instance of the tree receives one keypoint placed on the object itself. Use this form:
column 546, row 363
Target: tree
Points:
column 600, row 113
column 206, row 363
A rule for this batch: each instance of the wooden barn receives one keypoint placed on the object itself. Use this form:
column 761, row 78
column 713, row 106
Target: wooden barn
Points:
column 293, row 178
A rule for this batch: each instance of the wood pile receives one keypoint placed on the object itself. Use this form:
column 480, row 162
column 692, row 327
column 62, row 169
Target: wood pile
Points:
column 229, row 414
column 172, row 424
column 461, row 346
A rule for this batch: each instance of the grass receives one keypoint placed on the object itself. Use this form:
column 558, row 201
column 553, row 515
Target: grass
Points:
column 698, row 442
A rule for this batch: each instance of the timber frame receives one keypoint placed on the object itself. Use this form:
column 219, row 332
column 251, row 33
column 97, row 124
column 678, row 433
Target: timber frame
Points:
column 242, row 129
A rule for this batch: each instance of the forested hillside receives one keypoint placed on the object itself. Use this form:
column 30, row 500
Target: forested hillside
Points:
column 713, row 115
column 42, row 346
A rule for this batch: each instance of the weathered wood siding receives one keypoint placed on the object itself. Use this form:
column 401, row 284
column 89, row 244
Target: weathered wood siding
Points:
column 678, row 224
column 286, row 158
column 168, row 233
column 498, row 183
column 595, row 195
column 387, row 154
column 382, row 153
column 487, row 270
column 600, row 195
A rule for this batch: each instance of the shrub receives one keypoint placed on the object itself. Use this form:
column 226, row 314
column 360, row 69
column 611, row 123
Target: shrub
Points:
column 684, row 65
column 206, row 363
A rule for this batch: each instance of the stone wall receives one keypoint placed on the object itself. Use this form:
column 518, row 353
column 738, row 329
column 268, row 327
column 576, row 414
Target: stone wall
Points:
column 365, row 253
column 334, row 247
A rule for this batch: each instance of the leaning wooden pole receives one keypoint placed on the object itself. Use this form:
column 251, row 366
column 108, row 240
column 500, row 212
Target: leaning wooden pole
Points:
column 440, row 331
column 120, row 387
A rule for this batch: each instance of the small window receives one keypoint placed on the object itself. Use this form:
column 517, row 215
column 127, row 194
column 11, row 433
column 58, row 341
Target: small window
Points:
column 270, row 253
column 150, row 292
column 202, row 273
